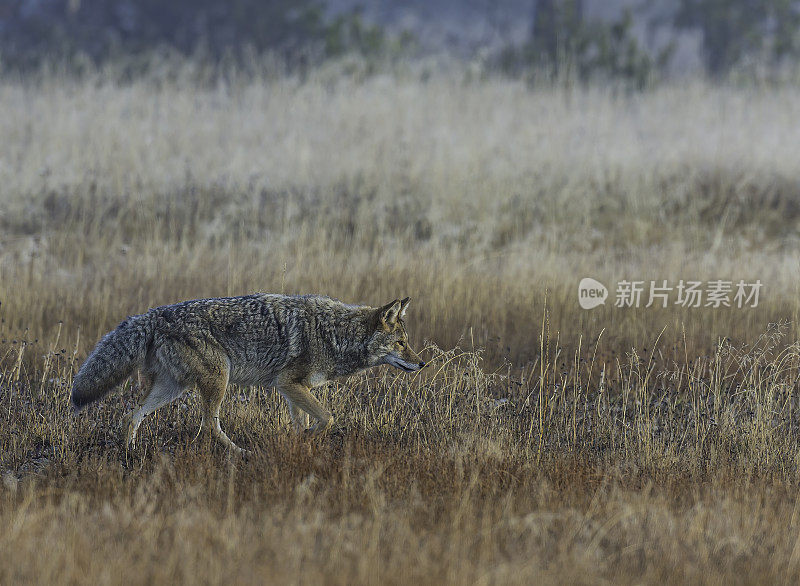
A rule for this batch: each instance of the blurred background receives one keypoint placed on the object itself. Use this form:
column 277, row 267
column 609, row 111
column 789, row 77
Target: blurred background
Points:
column 482, row 157
column 636, row 40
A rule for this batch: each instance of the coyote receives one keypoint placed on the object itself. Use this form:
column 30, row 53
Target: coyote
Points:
column 293, row 343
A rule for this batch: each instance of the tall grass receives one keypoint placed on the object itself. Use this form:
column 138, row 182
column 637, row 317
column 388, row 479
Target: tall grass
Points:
column 545, row 442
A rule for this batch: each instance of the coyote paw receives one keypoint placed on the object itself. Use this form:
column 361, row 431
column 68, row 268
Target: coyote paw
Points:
column 241, row 452
column 128, row 433
column 320, row 429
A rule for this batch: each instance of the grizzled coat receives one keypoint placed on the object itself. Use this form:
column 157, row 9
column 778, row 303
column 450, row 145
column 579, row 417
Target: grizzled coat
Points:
column 291, row 342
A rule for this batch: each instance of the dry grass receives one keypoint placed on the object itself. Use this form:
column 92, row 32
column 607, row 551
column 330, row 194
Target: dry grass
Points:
column 547, row 443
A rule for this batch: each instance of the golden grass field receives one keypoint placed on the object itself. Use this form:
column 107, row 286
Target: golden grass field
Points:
column 546, row 443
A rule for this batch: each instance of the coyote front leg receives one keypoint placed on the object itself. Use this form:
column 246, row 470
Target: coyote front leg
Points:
column 299, row 397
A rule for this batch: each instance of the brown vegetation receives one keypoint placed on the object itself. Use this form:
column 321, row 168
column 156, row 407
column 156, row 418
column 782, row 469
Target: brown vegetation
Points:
column 545, row 442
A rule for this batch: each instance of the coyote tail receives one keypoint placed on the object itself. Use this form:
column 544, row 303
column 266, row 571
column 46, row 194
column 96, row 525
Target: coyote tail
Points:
column 112, row 360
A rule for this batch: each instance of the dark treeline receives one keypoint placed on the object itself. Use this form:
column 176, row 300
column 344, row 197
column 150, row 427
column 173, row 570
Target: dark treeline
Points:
column 562, row 39
column 297, row 30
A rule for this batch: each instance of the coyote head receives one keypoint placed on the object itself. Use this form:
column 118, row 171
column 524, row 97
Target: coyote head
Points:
column 389, row 341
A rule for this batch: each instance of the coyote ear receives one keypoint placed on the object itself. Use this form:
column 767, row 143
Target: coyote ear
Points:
column 388, row 314
column 404, row 306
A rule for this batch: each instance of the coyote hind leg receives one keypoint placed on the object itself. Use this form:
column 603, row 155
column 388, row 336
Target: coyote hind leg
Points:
column 159, row 391
column 212, row 390
column 299, row 417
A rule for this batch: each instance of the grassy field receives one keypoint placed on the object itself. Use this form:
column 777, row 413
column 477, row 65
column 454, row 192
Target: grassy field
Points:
column 545, row 442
